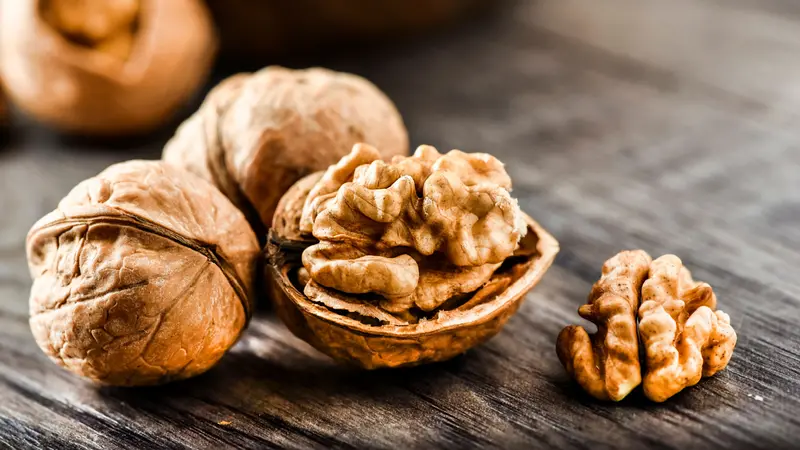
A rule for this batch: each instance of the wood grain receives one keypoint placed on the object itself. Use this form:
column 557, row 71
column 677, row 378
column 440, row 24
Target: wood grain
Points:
column 667, row 126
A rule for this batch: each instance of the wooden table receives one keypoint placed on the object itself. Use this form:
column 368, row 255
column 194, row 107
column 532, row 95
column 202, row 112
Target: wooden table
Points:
column 664, row 125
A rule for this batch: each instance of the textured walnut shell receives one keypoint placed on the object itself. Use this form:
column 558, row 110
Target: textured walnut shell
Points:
column 371, row 346
column 142, row 275
column 80, row 89
column 258, row 28
column 256, row 134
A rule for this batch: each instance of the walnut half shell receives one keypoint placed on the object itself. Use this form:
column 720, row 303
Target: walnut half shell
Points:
column 386, row 283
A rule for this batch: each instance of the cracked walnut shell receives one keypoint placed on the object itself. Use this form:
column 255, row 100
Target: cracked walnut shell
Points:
column 257, row 134
column 142, row 275
column 683, row 339
column 104, row 67
column 403, row 263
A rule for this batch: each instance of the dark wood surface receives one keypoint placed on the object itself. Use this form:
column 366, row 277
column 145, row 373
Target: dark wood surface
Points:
column 664, row 125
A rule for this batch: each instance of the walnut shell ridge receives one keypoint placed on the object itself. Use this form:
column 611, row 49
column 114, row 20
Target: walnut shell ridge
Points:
column 93, row 91
column 256, row 134
column 377, row 341
column 142, row 275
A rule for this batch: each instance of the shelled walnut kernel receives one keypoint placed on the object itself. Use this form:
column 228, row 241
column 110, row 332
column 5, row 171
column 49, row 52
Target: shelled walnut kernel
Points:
column 410, row 261
column 684, row 339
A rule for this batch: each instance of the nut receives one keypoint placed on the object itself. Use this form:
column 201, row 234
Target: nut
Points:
column 606, row 364
column 256, row 134
column 107, row 25
column 683, row 338
column 408, row 262
column 104, row 67
column 142, row 275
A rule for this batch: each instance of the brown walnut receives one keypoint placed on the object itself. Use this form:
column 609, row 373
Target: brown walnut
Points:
column 256, row 134
column 683, row 338
column 142, row 275
column 407, row 262
column 105, row 25
column 104, row 67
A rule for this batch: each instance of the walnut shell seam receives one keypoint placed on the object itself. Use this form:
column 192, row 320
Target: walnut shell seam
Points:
column 127, row 220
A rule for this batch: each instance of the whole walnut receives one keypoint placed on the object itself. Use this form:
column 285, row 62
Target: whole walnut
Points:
column 256, row 134
column 142, row 275
column 407, row 262
column 104, row 67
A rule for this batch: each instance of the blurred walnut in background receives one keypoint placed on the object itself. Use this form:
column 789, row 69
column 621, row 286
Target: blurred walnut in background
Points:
column 104, row 67
column 106, row 25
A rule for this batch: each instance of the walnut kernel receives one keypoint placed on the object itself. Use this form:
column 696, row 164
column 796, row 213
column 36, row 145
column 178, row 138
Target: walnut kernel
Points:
column 606, row 364
column 410, row 261
column 683, row 338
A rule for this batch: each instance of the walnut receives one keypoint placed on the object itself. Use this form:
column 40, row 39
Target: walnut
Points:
column 606, row 364
column 104, row 67
column 408, row 262
column 683, row 338
column 257, row 134
column 107, row 25
column 142, row 275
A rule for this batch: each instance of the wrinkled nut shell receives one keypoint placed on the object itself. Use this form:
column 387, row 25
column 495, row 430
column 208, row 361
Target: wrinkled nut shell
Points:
column 352, row 341
column 86, row 90
column 142, row 275
column 256, row 134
